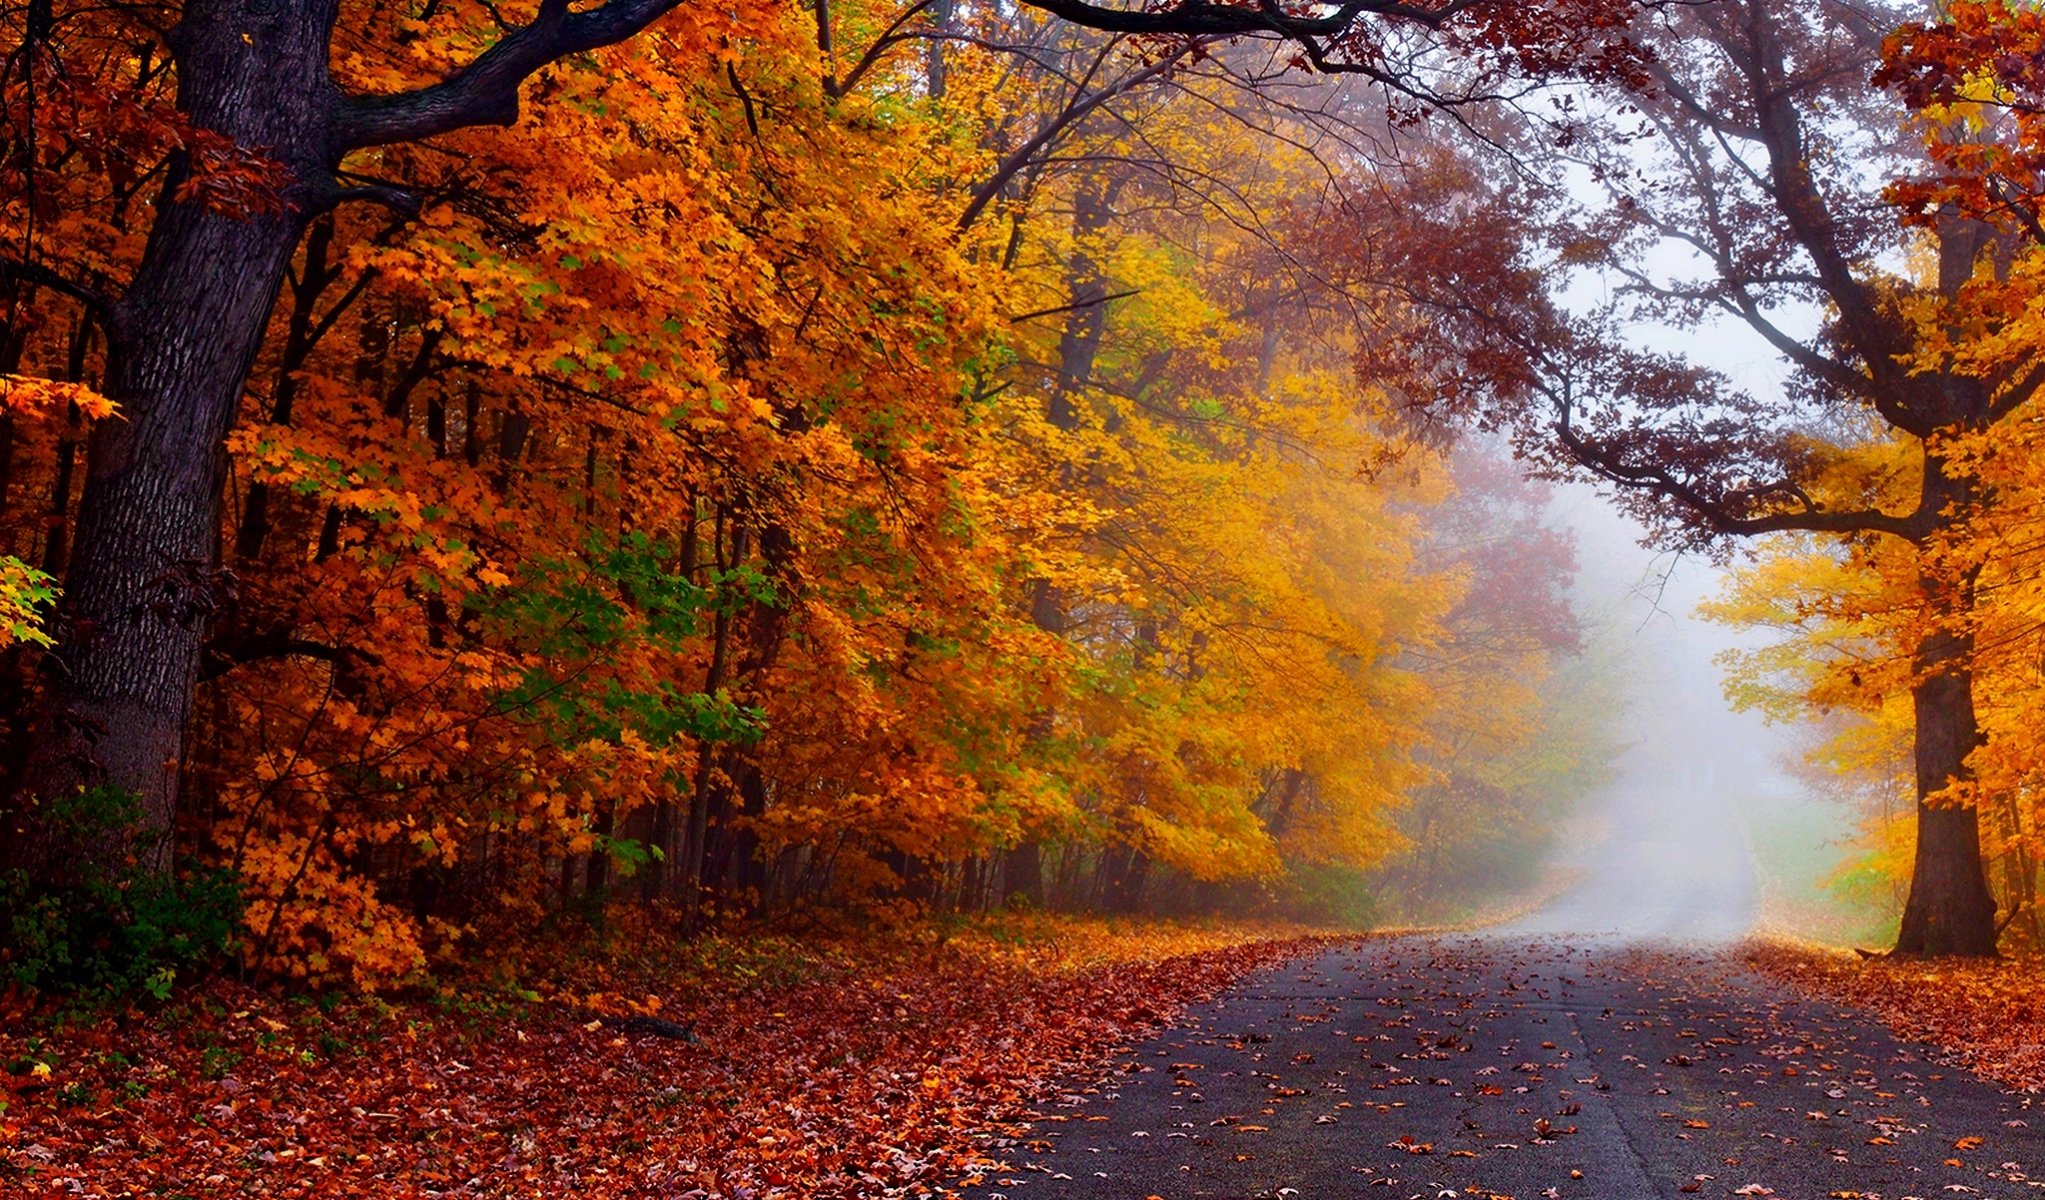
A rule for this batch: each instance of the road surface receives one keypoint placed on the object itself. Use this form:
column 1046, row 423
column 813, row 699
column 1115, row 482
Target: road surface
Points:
column 1486, row 1066
column 1605, row 1047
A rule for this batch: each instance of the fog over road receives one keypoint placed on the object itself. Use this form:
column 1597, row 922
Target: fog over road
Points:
column 1668, row 853
column 1609, row 1046
column 1674, row 864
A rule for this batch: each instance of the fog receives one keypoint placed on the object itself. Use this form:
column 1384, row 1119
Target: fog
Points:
column 1666, row 849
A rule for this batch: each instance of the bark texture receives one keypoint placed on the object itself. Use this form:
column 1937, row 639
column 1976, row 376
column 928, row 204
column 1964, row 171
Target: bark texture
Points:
column 1950, row 909
column 143, row 581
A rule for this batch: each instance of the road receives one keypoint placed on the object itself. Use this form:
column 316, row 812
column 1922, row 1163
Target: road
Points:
column 1490, row 1066
column 1607, row 1047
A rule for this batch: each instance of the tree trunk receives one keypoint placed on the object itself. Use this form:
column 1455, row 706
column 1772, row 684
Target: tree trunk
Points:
column 1023, row 873
column 1078, row 345
column 687, row 885
column 1125, row 870
column 743, row 799
column 142, row 583
column 1949, row 910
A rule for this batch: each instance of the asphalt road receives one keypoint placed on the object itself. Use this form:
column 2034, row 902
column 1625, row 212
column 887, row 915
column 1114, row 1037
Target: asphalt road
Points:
column 1605, row 1047
column 1485, row 1066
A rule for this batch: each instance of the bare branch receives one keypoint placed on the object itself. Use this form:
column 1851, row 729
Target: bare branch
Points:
column 1717, row 515
column 1200, row 18
column 1078, row 110
column 401, row 201
column 1074, row 307
column 893, row 34
column 101, row 304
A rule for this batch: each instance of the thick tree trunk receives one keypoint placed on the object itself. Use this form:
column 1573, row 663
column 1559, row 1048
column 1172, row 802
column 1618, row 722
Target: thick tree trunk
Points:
column 142, row 583
column 1950, row 910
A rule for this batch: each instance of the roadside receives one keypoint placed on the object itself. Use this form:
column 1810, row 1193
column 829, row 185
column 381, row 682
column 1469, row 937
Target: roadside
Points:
column 1987, row 1017
column 760, row 1066
column 1808, row 856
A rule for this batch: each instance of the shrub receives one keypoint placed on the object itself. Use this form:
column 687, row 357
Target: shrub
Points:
column 104, row 924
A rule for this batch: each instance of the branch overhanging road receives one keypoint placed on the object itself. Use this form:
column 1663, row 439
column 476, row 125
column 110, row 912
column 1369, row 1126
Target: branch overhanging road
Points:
column 1604, row 1047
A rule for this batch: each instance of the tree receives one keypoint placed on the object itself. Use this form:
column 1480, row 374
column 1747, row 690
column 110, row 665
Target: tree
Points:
column 258, row 82
column 1852, row 616
column 184, row 332
column 1753, row 150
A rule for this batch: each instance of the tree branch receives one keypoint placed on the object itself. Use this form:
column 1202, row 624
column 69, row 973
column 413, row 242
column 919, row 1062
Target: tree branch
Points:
column 223, row 654
column 1201, row 18
column 402, row 201
column 1715, row 514
column 2017, row 394
column 102, row 305
column 485, row 92
column 892, row 34
column 1073, row 307
column 1077, row 110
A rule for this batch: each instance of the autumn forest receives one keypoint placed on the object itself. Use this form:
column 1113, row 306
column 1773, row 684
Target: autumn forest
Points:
column 484, row 485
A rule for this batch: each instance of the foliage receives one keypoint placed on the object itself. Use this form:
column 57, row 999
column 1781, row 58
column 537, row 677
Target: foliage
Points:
column 24, row 593
column 807, row 468
column 1973, row 77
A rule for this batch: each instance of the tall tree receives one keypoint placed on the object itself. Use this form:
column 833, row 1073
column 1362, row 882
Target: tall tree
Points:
column 183, row 334
column 1973, row 78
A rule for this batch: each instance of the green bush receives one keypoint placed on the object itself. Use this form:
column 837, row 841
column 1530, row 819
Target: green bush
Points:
column 102, row 924
column 1329, row 894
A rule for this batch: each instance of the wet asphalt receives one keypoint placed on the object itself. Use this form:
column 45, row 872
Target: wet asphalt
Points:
column 1607, row 1046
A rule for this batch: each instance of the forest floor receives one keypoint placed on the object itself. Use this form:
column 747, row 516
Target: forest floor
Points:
column 1000, row 1051
column 870, row 1066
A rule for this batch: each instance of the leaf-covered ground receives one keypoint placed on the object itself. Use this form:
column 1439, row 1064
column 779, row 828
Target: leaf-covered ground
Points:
column 869, row 1067
column 1988, row 1017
